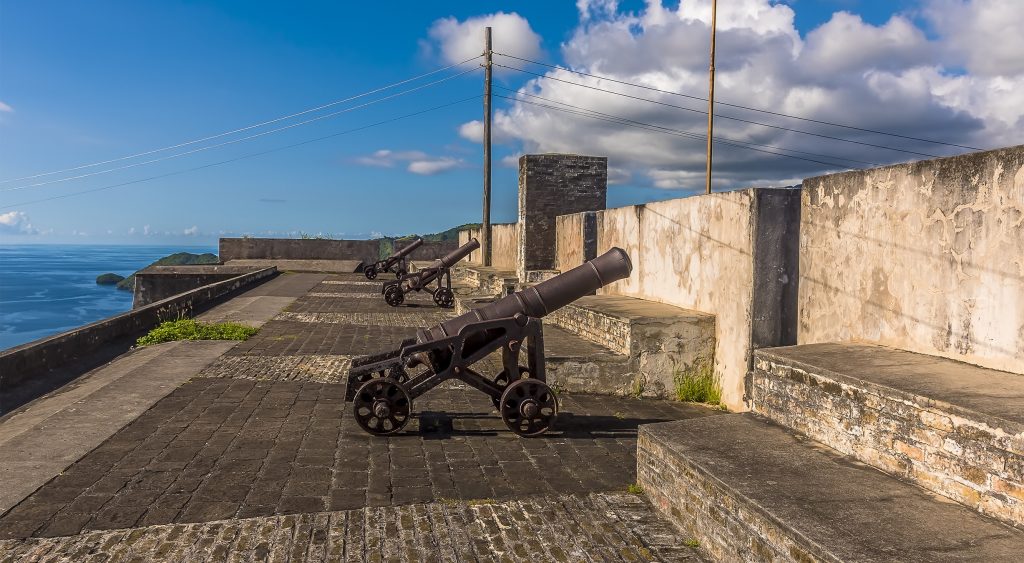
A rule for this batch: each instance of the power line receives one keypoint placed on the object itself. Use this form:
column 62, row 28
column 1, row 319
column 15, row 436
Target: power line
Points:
column 239, row 140
column 670, row 131
column 243, row 157
column 703, row 137
column 544, row 76
column 261, row 124
column 770, row 112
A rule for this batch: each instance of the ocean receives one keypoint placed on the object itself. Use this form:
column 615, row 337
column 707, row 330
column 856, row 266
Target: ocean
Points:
column 46, row 289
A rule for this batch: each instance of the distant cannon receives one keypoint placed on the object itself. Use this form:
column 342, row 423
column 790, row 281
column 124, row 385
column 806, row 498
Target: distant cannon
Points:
column 396, row 259
column 440, row 271
column 382, row 387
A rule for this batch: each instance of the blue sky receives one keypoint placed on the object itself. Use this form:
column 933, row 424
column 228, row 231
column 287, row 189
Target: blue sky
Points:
column 89, row 81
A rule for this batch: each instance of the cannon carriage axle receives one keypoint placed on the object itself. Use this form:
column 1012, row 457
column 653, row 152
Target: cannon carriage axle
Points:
column 382, row 387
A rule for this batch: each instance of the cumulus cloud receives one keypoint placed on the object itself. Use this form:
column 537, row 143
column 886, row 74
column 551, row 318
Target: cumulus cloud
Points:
column 417, row 162
column 435, row 166
column 16, row 223
column 4, row 108
column 888, row 77
column 191, row 231
column 385, row 158
column 457, row 40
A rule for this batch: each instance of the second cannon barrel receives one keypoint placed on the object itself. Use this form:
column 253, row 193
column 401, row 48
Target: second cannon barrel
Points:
column 545, row 297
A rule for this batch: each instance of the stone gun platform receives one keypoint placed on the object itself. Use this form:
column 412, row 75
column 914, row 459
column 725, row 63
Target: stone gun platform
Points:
column 255, row 453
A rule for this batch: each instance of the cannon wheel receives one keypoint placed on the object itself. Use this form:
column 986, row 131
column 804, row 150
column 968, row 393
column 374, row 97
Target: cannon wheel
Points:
column 528, row 407
column 393, row 296
column 502, row 381
column 382, row 406
column 399, row 273
column 370, row 272
column 444, row 298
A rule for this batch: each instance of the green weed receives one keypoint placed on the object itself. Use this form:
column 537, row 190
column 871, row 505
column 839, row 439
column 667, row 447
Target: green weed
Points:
column 191, row 329
column 698, row 385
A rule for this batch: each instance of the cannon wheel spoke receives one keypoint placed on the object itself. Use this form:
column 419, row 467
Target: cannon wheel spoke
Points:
column 370, row 272
column 528, row 407
column 444, row 298
column 382, row 406
column 393, row 296
column 502, row 381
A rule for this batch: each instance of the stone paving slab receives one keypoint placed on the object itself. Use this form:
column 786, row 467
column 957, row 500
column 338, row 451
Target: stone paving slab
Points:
column 223, row 448
column 316, row 368
column 283, row 338
column 43, row 438
column 594, row 527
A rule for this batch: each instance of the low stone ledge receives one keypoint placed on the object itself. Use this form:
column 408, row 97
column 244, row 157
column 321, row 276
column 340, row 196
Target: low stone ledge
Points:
column 953, row 428
column 160, row 282
column 749, row 490
column 35, row 358
column 661, row 341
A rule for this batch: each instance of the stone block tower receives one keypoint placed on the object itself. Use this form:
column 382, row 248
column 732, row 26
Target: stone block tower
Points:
column 551, row 185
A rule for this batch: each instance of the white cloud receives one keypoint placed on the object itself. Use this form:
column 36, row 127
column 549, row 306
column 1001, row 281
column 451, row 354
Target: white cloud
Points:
column 4, row 108
column 417, row 162
column 146, row 230
column 460, row 40
column 16, row 223
column 889, row 77
column 385, row 158
column 191, row 231
column 435, row 166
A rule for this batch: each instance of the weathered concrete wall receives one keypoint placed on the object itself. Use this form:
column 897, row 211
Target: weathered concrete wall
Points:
column 160, row 282
column 504, row 245
column 551, row 185
column 298, row 249
column 926, row 257
column 575, row 239
column 706, row 253
column 28, row 360
column 428, row 251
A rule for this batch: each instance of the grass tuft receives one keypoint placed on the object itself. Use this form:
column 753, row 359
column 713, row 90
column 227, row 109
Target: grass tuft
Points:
column 191, row 329
column 691, row 543
column 634, row 489
column 699, row 385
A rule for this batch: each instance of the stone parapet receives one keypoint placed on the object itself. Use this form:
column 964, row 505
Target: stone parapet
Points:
column 953, row 428
column 749, row 490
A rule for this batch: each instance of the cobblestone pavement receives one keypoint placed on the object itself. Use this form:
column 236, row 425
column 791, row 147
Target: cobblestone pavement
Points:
column 264, row 432
column 593, row 527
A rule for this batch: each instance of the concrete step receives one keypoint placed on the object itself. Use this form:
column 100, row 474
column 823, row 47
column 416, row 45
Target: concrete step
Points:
column 951, row 427
column 750, row 490
column 662, row 342
column 489, row 281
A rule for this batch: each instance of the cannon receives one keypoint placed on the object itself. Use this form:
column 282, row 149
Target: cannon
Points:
column 440, row 271
column 382, row 387
column 396, row 260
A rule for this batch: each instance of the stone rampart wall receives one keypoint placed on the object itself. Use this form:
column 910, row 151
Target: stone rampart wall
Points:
column 926, row 257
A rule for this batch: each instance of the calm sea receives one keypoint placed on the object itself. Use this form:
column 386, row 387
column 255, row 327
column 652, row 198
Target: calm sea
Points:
column 46, row 289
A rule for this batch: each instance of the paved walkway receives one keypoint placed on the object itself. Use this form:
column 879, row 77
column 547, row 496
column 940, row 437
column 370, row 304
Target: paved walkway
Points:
column 261, row 439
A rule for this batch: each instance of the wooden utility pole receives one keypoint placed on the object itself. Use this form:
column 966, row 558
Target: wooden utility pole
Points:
column 711, row 95
column 485, row 227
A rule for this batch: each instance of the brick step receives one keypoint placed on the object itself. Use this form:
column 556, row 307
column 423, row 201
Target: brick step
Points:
column 951, row 427
column 489, row 281
column 661, row 341
column 750, row 490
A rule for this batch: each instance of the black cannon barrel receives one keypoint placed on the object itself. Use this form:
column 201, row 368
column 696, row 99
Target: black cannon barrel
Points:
column 545, row 297
column 418, row 242
column 452, row 258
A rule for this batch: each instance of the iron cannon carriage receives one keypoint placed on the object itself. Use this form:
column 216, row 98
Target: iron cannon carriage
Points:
column 396, row 260
column 440, row 271
column 382, row 387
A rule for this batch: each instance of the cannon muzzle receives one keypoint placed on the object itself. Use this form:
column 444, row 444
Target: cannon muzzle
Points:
column 545, row 297
column 450, row 259
column 416, row 243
